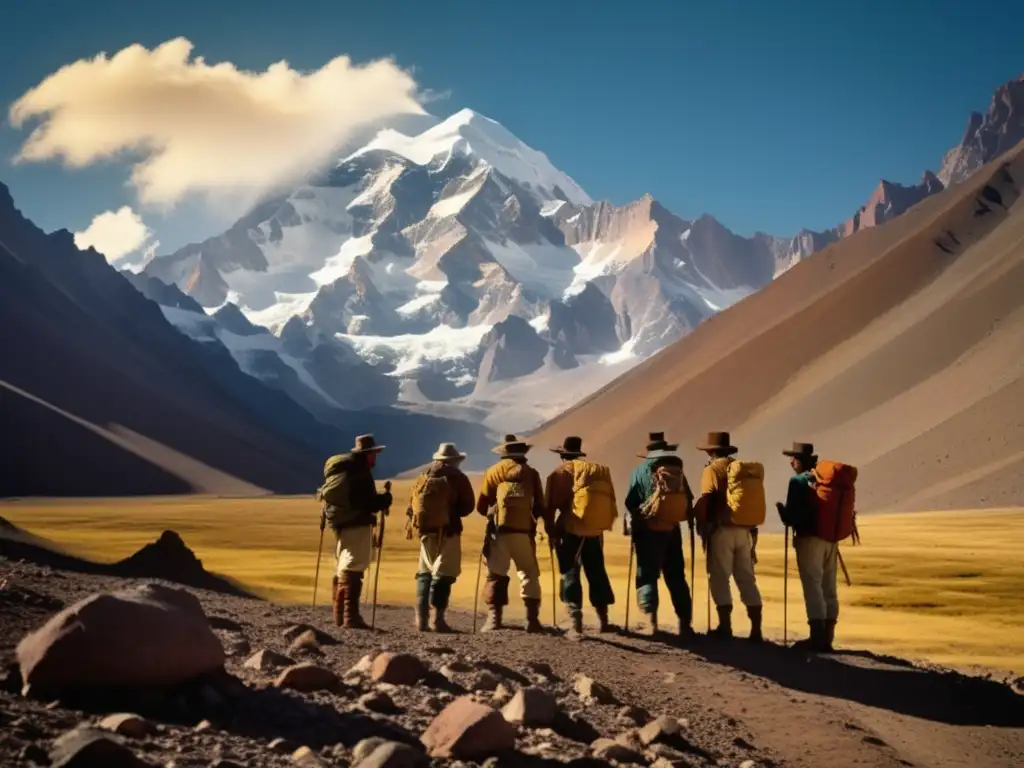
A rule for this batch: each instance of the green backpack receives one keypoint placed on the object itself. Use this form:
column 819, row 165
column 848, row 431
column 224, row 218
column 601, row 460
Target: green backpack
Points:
column 334, row 493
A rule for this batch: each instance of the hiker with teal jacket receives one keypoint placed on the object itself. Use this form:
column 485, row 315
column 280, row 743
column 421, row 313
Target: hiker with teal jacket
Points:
column 658, row 501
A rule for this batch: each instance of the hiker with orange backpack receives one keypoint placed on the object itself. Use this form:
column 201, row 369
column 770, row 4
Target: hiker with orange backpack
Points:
column 730, row 508
column 512, row 499
column 658, row 502
column 820, row 509
column 441, row 496
column 581, row 493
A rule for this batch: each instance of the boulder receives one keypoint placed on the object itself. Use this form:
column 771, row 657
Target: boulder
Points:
column 391, row 754
column 307, row 678
column 466, row 729
column 658, row 729
column 88, row 747
column 127, row 724
column 531, row 707
column 266, row 660
column 592, row 692
column 607, row 749
column 378, row 701
column 398, row 669
column 150, row 635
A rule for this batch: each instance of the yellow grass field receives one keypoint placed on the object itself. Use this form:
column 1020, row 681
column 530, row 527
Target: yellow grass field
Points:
column 946, row 587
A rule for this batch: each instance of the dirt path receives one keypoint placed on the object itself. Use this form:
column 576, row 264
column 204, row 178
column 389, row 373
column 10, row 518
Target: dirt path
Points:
column 743, row 703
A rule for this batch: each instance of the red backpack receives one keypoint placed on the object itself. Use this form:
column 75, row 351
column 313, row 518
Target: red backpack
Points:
column 836, row 498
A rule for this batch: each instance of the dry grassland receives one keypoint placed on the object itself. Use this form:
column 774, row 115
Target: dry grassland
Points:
column 946, row 587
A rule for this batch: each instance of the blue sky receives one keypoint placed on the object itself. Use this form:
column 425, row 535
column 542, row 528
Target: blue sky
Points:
column 771, row 115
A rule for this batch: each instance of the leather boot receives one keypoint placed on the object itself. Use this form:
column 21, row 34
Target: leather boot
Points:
column 602, row 617
column 440, row 594
column 652, row 619
column 352, row 586
column 533, row 616
column 686, row 633
column 422, row 601
column 493, row 619
column 830, row 634
column 817, row 639
column 576, row 617
column 724, row 629
column 754, row 613
column 337, row 600
column 439, row 624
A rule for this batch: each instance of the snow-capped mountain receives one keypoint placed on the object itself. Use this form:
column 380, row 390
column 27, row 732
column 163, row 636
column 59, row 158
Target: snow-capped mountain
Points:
column 428, row 268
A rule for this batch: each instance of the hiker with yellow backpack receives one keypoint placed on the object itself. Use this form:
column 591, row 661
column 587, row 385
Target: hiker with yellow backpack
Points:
column 658, row 502
column 581, row 493
column 512, row 499
column 730, row 508
column 820, row 509
column 441, row 496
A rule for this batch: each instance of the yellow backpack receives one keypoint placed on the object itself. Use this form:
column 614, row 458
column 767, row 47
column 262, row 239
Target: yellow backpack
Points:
column 744, row 493
column 431, row 502
column 593, row 495
column 515, row 498
column 672, row 501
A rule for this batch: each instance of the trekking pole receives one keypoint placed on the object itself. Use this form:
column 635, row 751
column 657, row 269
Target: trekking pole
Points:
column 554, row 597
column 476, row 593
column 380, row 552
column 842, row 564
column 693, row 565
column 785, row 592
column 319, row 551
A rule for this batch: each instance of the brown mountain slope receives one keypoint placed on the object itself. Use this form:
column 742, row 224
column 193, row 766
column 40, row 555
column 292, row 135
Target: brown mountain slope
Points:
column 898, row 349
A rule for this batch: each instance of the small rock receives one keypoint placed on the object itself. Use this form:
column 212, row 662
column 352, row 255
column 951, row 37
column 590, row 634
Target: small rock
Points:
column 485, row 681
column 466, row 729
column 365, row 748
column 631, row 740
column 307, row 678
column 501, row 695
column 454, row 668
column 203, row 725
column 307, row 758
column 85, row 747
column 363, row 666
column 606, row 749
column 321, row 637
column 531, row 707
column 127, row 724
column 634, row 715
column 658, row 729
column 391, row 754
column 266, row 659
column 281, row 745
column 748, row 764
column 592, row 692
column 305, row 643
column 542, row 669
column 378, row 701
column 397, row 668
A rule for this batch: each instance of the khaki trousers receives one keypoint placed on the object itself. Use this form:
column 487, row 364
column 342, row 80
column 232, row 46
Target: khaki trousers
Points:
column 518, row 548
column 816, row 559
column 355, row 550
column 441, row 555
column 729, row 555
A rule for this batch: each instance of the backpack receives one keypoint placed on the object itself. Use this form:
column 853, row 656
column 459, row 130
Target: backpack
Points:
column 514, row 499
column 835, row 499
column 335, row 492
column 744, row 494
column 671, row 503
column 431, row 502
column 593, row 495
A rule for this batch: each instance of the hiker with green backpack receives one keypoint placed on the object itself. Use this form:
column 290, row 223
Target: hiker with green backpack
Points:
column 658, row 502
column 441, row 496
column 350, row 506
column 730, row 509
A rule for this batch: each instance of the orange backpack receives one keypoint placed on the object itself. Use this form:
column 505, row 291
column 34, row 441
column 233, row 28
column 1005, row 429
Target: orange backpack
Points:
column 836, row 499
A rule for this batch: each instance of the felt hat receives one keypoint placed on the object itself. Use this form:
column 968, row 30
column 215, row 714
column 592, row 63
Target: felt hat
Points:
column 366, row 444
column 447, row 452
column 657, row 444
column 571, row 446
column 800, row 451
column 512, row 447
column 718, row 441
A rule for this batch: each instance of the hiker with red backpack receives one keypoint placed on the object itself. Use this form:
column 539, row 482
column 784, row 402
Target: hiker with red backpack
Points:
column 512, row 499
column 730, row 508
column 581, row 493
column 350, row 506
column 820, row 509
column 658, row 502
column 441, row 496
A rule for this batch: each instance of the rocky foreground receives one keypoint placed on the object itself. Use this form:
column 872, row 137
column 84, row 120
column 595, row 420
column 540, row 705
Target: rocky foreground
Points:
column 283, row 687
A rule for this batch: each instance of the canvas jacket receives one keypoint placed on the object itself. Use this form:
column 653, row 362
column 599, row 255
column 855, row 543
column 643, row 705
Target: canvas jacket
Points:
column 641, row 485
column 558, row 495
column 461, row 494
column 366, row 502
column 489, row 493
column 799, row 511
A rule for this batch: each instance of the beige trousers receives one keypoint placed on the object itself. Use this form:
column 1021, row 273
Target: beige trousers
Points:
column 517, row 548
column 730, row 556
column 441, row 555
column 355, row 550
column 816, row 559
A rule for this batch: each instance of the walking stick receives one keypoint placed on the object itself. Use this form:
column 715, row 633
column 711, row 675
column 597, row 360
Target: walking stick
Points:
column 320, row 549
column 554, row 597
column 785, row 592
column 380, row 551
column 476, row 593
column 842, row 564
column 629, row 577
column 693, row 565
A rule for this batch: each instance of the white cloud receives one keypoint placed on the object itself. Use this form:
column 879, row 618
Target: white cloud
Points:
column 115, row 234
column 192, row 127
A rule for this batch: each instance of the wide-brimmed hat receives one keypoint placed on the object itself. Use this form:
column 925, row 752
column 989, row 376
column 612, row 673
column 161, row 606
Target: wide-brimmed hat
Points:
column 512, row 446
column 367, row 444
column 718, row 441
column 656, row 443
column 800, row 451
column 571, row 446
column 447, row 452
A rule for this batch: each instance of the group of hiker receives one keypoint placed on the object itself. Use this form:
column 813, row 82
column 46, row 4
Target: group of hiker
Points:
column 577, row 504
